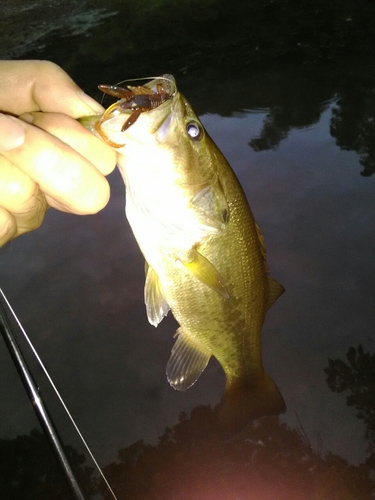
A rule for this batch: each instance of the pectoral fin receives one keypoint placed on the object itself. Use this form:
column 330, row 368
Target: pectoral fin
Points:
column 156, row 305
column 204, row 271
column 187, row 361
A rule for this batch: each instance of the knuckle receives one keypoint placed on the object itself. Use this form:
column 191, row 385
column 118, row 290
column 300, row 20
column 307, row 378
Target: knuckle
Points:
column 8, row 227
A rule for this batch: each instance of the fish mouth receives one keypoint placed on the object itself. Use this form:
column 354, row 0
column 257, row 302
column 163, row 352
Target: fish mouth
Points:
column 158, row 116
column 163, row 114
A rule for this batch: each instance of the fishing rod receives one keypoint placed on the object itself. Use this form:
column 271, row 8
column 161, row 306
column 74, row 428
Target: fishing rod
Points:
column 36, row 400
column 22, row 330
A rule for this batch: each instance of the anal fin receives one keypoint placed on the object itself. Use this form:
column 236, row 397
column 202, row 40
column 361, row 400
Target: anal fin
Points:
column 186, row 363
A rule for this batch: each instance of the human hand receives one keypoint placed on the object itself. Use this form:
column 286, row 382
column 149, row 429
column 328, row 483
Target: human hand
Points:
column 46, row 157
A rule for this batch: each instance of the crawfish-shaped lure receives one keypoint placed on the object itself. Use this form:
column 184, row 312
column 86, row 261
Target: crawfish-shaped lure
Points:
column 138, row 99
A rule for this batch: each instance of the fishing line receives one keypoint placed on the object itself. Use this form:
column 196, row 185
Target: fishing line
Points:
column 170, row 80
column 167, row 78
column 58, row 394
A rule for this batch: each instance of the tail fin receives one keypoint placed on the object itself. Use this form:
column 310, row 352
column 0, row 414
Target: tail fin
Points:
column 243, row 402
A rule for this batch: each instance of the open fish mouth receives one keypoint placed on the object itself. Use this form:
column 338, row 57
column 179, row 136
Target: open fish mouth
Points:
column 140, row 99
column 135, row 100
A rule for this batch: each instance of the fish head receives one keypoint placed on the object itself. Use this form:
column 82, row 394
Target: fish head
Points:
column 169, row 135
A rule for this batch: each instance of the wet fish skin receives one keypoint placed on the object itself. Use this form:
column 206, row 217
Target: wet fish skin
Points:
column 205, row 254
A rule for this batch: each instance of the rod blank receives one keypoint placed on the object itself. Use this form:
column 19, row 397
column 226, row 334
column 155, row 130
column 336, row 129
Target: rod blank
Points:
column 36, row 401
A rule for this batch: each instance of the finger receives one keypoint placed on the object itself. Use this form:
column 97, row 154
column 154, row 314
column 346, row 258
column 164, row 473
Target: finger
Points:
column 77, row 137
column 20, row 197
column 27, row 86
column 69, row 181
column 8, row 227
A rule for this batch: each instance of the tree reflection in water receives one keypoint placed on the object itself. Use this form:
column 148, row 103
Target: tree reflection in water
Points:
column 29, row 470
column 352, row 121
column 268, row 461
column 358, row 377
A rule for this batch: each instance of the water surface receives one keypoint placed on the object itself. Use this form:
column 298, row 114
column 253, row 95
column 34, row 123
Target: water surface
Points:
column 300, row 141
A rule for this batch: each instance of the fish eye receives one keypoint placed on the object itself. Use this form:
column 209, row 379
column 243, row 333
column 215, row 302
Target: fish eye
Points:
column 194, row 131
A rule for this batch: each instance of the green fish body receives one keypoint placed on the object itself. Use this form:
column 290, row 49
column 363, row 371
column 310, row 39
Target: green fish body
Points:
column 205, row 255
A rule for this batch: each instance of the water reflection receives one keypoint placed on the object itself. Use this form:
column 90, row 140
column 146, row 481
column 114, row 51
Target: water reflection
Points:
column 28, row 469
column 352, row 123
column 84, row 278
column 269, row 460
column 79, row 294
column 358, row 377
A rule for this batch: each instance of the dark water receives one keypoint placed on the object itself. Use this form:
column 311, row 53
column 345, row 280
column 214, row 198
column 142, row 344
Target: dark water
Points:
column 300, row 136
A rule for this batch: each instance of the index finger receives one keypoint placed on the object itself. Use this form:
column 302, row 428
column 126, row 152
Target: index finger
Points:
column 27, row 86
column 68, row 180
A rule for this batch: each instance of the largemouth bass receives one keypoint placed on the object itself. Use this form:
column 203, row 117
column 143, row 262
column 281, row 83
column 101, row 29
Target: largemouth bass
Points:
column 205, row 254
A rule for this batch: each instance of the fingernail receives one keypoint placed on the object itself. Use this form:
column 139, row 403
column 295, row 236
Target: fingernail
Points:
column 12, row 133
column 89, row 101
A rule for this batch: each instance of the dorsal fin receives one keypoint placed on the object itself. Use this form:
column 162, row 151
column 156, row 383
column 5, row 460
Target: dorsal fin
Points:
column 274, row 291
column 274, row 287
column 262, row 246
